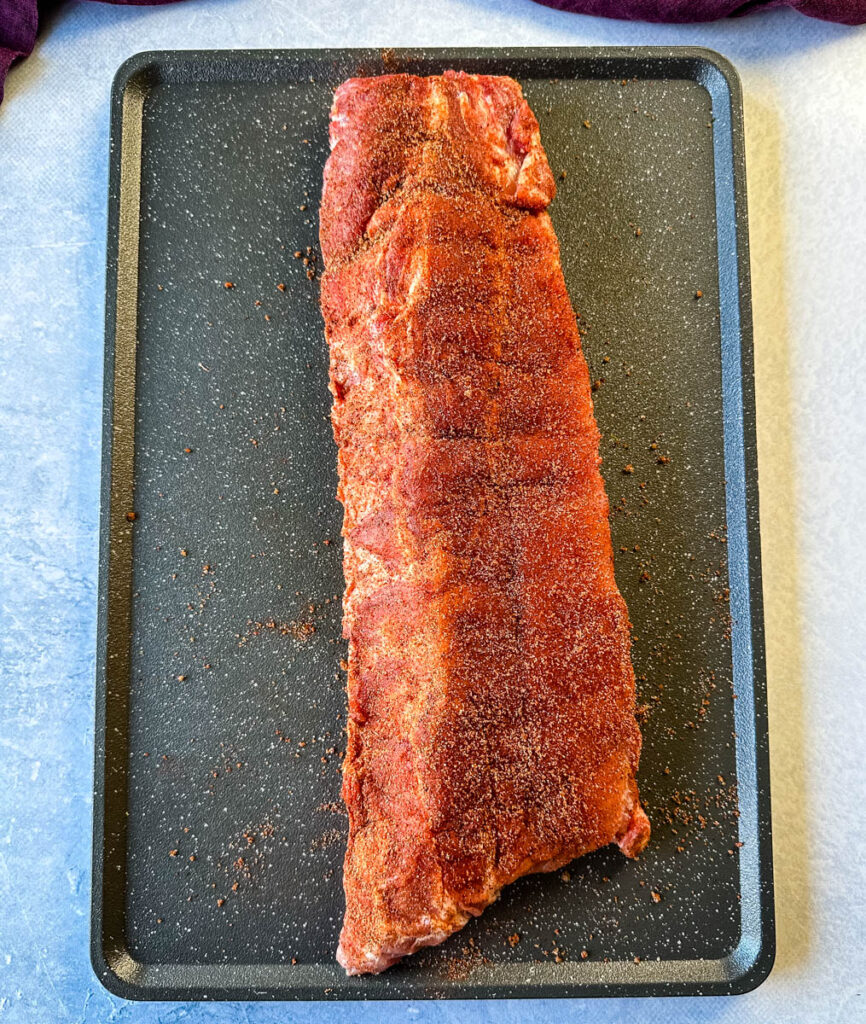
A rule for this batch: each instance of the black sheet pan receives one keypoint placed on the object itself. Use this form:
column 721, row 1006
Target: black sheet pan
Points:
column 218, row 833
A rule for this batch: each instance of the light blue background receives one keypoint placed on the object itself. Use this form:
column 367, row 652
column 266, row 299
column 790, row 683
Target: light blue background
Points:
column 805, row 100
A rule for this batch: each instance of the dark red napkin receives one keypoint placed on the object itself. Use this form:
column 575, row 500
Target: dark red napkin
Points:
column 19, row 18
column 18, row 22
column 848, row 12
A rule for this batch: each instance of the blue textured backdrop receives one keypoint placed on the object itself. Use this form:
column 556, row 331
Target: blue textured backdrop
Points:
column 806, row 132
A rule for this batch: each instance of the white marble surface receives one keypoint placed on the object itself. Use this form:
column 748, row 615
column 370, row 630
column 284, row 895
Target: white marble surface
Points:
column 805, row 102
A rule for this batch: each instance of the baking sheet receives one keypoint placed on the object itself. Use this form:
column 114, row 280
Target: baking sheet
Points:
column 218, row 831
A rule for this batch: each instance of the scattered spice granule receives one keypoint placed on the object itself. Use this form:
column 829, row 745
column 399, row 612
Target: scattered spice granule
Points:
column 187, row 451
column 638, row 232
column 192, row 856
column 565, row 876
column 228, row 284
column 131, row 516
column 302, row 630
column 298, row 254
column 584, row 953
column 637, row 959
column 657, row 896
column 181, row 679
column 281, row 287
column 629, row 469
column 699, row 294
column 513, row 940
column 586, row 124
column 172, row 853
column 159, row 920
column 663, row 460
column 294, row 960
column 235, row 886
column 220, row 902
column 183, row 552
column 267, row 316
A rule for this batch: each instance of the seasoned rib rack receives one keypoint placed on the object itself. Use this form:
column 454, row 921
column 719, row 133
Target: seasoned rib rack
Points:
column 491, row 694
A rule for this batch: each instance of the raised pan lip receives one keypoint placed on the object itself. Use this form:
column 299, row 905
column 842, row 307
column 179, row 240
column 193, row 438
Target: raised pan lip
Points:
column 749, row 978
column 145, row 60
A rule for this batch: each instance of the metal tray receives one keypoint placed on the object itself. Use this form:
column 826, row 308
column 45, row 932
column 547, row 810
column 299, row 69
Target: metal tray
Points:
column 218, row 834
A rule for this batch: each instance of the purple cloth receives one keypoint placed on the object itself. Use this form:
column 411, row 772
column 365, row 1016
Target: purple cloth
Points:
column 18, row 22
column 848, row 12
column 19, row 18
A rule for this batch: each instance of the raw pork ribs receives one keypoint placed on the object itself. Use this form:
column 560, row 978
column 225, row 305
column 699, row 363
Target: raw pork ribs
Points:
column 491, row 722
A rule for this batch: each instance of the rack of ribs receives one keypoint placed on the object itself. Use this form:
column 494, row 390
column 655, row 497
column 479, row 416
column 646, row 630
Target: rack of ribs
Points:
column 491, row 728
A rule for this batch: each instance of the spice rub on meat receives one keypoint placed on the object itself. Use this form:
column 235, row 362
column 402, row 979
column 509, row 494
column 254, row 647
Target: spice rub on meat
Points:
column 491, row 694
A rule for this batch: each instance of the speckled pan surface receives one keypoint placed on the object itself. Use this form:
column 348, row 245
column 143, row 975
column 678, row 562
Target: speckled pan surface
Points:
column 218, row 831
